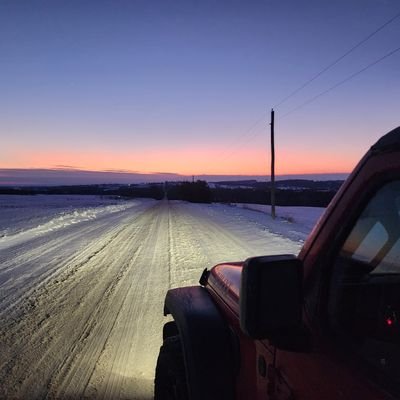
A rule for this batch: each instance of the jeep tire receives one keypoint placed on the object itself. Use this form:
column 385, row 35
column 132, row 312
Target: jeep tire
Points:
column 170, row 381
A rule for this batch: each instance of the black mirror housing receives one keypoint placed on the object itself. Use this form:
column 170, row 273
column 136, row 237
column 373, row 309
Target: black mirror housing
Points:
column 271, row 296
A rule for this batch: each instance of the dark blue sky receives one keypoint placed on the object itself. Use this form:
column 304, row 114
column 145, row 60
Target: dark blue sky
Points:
column 178, row 86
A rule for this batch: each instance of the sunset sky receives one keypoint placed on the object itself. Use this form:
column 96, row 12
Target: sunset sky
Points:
column 186, row 87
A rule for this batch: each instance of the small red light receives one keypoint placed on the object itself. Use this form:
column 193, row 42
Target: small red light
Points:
column 389, row 322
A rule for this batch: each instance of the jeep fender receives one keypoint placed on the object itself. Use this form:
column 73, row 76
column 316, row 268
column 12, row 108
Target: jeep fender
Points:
column 207, row 343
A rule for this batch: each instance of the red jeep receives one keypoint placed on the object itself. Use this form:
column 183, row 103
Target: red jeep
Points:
column 322, row 325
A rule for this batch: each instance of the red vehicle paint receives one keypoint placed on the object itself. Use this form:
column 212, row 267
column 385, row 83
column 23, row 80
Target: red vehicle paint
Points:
column 322, row 325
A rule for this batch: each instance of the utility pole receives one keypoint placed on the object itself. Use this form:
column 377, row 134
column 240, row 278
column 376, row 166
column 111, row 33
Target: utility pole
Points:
column 272, row 164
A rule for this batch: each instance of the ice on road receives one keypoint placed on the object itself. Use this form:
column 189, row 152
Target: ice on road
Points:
column 81, row 297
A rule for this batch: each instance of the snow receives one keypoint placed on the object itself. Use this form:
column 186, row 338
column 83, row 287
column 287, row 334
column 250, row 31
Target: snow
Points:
column 83, row 279
column 24, row 217
column 293, row 222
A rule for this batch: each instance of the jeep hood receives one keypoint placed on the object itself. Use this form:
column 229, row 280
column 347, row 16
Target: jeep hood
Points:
column 224, row 281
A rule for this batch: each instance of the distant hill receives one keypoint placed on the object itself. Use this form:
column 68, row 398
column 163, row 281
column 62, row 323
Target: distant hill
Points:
column 69, row 176
column 285, row 184
column 289, row 192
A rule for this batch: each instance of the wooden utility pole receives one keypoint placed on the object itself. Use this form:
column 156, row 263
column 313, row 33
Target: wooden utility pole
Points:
column 272, row 165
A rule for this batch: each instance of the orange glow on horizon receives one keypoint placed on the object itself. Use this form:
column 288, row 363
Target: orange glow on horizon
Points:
column 189, row 161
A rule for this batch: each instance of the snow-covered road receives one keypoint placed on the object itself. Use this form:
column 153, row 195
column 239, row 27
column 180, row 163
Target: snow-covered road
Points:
column 81, row 304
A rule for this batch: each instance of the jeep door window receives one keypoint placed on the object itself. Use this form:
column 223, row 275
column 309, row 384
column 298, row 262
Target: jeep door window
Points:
column 364, row 302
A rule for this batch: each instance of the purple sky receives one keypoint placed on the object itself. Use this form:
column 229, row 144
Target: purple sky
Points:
column 179, row 86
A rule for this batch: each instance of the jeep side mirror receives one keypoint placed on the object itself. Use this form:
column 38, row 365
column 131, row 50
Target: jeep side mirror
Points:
column 271, row 297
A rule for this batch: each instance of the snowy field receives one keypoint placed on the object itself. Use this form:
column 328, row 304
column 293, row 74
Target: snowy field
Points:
column 83, row 278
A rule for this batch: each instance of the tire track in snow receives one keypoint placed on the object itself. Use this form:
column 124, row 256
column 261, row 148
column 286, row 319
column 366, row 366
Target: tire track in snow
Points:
column 205, row 244
column 91, row 326
column 47, row 258
column 119, row 374
column 54, row 299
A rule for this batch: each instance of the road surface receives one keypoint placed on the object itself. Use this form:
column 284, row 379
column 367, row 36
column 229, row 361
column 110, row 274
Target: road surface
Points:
column 81, row 307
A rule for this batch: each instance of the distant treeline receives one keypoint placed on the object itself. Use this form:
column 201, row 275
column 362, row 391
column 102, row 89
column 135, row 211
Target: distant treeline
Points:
column 291, row 184
column 287, row 197
column 288, row 193
column 148, row 191
column 195, row 192
column 298, row 195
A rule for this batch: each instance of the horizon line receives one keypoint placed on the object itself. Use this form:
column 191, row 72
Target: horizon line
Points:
column 71, row 177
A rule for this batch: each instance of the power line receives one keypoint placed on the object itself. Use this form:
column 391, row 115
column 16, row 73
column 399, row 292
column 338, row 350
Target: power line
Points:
column 233, row 149
column 341, row 82
column 338, row 60
column 236, row 147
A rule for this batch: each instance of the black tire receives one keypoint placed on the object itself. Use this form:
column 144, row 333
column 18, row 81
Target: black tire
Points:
column 170, row 381
column 170, row 329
